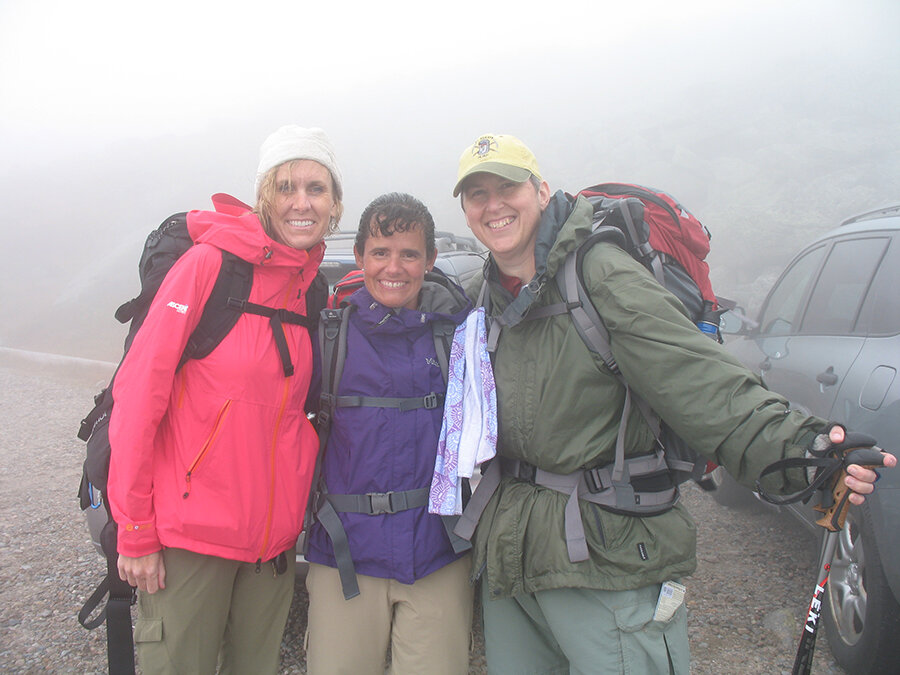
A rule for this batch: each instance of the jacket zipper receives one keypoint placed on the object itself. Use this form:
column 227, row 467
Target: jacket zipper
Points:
column 217, row 427
column 270, row 505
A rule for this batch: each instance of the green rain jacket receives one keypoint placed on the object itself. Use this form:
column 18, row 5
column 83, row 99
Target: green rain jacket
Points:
column 559, row 408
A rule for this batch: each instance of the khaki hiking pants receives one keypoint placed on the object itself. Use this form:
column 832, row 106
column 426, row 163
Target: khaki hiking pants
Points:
column 214, row 613
column 427, row 624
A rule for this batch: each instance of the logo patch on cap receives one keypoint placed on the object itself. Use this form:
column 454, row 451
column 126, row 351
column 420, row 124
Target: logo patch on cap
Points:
column 483, row 146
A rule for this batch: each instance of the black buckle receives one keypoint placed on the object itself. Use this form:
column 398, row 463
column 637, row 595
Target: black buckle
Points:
column 525, row 471
column 326, row 406
column 592, row 479
column 431, row 401
column 380, row 502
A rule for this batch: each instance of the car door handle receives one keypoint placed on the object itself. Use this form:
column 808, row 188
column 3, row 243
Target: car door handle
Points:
column 828, row 378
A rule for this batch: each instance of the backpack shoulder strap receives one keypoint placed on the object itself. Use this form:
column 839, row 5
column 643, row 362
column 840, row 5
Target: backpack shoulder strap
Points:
column 332, row 331
column 491, row 322
column 333, row 345
column 443, row 332
column 333, row 351
column 219, row 317
column 570, row 281
column 316, row 298
column 585, row 317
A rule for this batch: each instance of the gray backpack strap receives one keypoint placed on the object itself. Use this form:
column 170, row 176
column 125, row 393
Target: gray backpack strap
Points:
column 442, row 332
column 330, row 520
column 332, row 365
column 372, row 504
column 599, row 486
column 588, row 323
column 333, row 349
column 487, row 486
column 459, row 544
column 494, row 324
column 586, row 319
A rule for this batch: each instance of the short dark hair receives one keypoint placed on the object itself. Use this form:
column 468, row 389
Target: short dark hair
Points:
column 394, row 212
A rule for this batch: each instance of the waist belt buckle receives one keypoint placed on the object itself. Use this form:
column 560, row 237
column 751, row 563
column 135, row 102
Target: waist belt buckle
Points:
column 593, row 481
column 380, row 502
column 431, row 401
column 526, row 471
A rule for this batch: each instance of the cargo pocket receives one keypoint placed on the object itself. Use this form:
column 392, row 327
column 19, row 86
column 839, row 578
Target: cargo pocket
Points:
column 151, row 650
column 649, row 646
column 148, row 630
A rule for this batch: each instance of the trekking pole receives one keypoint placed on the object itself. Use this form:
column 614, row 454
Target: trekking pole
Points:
column 832, row 520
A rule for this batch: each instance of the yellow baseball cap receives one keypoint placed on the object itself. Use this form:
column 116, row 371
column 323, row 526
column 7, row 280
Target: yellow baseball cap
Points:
column 505, row 156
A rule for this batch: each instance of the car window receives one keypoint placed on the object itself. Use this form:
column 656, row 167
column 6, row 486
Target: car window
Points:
column 881, row 311
column 460, row 266
column 783, row 306
column 842, row 285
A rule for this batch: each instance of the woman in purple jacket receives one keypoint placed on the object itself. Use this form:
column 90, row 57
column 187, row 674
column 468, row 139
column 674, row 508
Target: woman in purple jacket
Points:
column 406, row 587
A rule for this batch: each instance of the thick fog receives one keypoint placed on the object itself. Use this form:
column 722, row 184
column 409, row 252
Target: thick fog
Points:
column 770, row 121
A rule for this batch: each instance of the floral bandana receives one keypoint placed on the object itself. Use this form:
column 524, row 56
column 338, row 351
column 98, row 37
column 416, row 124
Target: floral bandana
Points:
column 469, row 430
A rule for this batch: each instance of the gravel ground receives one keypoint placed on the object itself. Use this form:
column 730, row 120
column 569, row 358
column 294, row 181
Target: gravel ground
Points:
column 745, row 601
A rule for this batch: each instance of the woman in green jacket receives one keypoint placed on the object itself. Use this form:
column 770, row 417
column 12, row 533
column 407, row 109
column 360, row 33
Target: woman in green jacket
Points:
column 559, row 410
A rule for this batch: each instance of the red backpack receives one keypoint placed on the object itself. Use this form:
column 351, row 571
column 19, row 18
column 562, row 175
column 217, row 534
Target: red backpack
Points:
column 344, row 288
column 665, row 237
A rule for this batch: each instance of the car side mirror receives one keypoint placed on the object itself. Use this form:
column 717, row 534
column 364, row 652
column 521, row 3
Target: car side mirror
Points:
column 736, row 322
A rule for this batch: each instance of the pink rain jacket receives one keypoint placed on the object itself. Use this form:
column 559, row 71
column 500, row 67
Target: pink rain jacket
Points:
column 218, row 457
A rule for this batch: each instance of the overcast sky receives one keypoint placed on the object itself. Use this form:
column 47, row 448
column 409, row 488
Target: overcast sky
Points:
column 76, row 75
column 115, row 114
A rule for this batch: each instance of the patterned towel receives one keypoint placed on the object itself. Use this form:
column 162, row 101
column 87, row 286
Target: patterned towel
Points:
column 469, row 429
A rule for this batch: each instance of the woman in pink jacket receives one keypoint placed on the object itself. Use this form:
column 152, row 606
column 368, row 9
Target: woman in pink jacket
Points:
column 212, row 463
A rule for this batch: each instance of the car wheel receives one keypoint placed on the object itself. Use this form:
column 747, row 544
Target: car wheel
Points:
column 862, row 617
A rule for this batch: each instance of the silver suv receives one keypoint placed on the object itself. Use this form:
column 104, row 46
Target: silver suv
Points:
column 828, row 338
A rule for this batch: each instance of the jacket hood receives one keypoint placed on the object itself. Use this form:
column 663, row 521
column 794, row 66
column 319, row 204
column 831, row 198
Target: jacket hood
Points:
column 439, row 300
column 565, row 223
column 233, row 227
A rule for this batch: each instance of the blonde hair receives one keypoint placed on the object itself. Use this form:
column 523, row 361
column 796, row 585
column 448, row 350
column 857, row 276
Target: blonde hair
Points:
column 265, row 199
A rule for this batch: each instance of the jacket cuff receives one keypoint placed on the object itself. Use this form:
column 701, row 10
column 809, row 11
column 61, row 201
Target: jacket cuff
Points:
column 138, row 539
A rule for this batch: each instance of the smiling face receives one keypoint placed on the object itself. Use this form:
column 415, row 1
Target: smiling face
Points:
column 394, row 266
column 303, row 204
column 504, row 216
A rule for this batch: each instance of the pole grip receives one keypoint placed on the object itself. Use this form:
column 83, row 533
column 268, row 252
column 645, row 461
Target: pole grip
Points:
column 834, row 516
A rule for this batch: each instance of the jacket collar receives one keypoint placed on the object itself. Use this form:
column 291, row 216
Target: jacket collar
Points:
column 565, row 223
column 439, row 300
column 234, row 227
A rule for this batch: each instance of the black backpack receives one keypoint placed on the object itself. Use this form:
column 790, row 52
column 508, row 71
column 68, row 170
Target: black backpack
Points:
column 226, row 303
